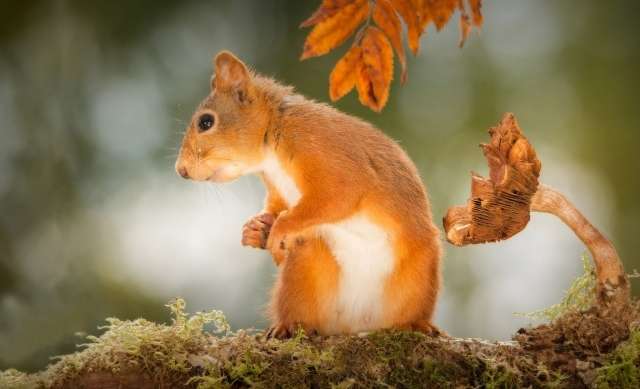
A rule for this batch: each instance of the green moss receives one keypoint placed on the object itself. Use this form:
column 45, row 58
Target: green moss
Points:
column 160, row 351
column 437, row 373
column 346, row 384
column 580, row 295
column 14, row 379
column 551, row 379
column 249, row 360
column 409, row 364
column 621, row 369
column 156, row 349
column 499, row 376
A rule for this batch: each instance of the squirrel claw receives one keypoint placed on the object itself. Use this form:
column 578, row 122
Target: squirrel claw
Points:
column 428, row 329
column 283, row 331
column 278, row 331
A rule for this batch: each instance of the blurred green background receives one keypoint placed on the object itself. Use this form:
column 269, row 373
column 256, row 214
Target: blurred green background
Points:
column 94, row 96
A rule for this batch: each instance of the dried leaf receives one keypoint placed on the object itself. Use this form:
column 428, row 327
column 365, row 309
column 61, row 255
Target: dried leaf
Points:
column 333, row 30
column 343, row 76
column 375, row 71
column 499, row 206
column 476, row 15
column 387, row 19
column 439, row 11
column 327, row 9
column 371, row 66
column 410, row 14
column 465, row 25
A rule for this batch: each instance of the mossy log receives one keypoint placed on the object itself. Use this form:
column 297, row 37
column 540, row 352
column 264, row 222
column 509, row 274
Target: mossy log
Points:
column 577, row 350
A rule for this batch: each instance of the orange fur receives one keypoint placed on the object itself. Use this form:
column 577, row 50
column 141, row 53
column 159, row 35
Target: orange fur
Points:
column 306, row 288
column 341, row 166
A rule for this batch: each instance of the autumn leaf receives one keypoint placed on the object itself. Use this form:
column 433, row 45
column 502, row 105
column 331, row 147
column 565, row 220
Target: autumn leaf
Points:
column 331, row 31
column 343, row 77
column 375, row 70
column 465, row 25
column 440, row 11
column 326, row 10
column 410, row 13
column 387, row 19
column 475, row 12
column 368, row 64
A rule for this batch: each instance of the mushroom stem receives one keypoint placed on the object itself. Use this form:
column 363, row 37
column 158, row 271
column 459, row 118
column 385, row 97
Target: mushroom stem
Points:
column 612, row 285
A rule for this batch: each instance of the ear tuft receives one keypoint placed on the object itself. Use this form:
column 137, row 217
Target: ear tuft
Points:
column 230, row 72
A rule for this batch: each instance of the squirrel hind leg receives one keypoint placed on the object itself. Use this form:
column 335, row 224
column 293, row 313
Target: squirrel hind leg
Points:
column 283, row 331
column 427, row 328
column 306, row 286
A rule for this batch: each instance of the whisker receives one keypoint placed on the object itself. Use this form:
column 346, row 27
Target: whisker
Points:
column 213, row 188
column 216, row 192
column 203, row 195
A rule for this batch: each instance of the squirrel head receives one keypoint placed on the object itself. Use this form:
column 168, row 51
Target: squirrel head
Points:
column 225, row 138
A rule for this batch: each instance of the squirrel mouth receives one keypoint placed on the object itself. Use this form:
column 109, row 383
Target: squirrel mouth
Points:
column 221, row 174
column 227, row 172
column 214, row 177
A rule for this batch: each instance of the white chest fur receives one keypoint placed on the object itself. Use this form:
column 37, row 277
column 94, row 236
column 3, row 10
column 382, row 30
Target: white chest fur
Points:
column 365, row 255
column 279, row 178
column 362, row 249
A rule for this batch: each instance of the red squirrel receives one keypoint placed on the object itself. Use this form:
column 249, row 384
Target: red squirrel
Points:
column 346, row 216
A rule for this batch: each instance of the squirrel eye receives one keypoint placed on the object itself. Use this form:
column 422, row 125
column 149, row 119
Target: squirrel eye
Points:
column 205, row 122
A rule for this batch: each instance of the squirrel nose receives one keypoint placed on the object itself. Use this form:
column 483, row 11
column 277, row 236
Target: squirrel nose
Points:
column 183, row 171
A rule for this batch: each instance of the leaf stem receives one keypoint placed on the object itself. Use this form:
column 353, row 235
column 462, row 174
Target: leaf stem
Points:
column 367, row 23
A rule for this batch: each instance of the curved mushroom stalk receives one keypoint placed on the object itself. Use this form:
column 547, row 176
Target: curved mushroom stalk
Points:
column 612, row 282
column 500, row 205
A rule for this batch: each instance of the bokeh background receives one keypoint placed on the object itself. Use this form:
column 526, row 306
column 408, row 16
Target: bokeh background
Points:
column 94, row 96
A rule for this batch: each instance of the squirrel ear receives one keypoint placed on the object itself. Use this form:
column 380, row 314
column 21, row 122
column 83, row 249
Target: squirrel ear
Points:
column 230, row 72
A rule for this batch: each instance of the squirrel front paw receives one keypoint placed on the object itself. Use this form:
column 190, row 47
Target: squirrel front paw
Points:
column 255, row 232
